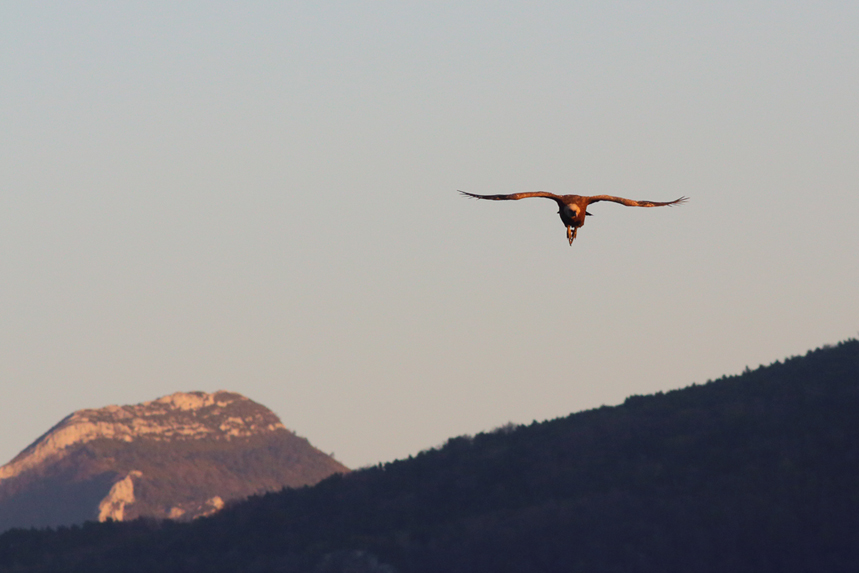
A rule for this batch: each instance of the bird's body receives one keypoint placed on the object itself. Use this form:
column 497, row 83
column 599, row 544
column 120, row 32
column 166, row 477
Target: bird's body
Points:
column 574, row 208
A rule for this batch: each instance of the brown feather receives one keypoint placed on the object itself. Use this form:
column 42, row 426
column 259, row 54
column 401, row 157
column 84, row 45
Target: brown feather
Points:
column 633, row 203
column 514, row 196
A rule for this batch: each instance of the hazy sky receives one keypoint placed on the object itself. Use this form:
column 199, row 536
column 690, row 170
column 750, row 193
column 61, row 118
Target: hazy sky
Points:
column 261, row 197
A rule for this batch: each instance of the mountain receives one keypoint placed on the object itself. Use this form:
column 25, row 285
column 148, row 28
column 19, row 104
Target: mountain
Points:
column 179, row 457
column 756, row 472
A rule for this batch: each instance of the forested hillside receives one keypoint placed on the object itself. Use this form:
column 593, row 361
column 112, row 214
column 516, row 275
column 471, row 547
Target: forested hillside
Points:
column 750, row 472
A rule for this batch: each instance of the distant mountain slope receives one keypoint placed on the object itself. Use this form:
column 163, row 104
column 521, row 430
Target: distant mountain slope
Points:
column 754, row 472
column 180, row 456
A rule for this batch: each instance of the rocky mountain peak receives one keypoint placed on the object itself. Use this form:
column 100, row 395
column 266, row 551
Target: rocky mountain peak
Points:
column 180, row 456
column 180, row 416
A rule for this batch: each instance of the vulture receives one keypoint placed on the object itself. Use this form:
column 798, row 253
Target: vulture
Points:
column 573, row 208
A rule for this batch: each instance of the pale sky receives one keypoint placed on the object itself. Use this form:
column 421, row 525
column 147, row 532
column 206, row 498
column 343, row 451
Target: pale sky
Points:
column 261, row 198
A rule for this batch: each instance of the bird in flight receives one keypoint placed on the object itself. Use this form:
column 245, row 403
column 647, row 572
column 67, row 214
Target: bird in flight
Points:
column 573, row 208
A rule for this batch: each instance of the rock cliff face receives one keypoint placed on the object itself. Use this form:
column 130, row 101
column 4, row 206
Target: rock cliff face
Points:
column 178, row 457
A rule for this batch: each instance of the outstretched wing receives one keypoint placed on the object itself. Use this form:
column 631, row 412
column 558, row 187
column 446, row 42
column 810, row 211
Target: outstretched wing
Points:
column 514, row 196
column 632, row 203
